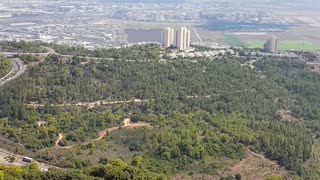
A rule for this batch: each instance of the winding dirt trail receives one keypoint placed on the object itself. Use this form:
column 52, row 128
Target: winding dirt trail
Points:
column 253, row 167
column 314, row 153
column 262, row 157
column 126, row 125
column 60, row 137
column 103, row 133
column 90, row 105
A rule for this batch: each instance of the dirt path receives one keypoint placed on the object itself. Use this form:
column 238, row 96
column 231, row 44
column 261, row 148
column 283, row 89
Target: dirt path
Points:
column 255, row 166
column 94, row 104
column 103, row 133
column 126, row 125
column 90, row 105
column 60, row 137
column 261, row 156
column 314, row 153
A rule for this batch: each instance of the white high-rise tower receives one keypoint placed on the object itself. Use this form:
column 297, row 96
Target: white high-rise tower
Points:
column 183, row 38
column 167, row 37
column 188, row 38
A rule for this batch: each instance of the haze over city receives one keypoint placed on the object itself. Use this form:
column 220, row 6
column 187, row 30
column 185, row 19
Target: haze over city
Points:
column 105, row 24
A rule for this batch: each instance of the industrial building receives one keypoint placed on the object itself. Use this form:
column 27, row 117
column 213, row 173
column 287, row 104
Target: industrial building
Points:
column 179, row 38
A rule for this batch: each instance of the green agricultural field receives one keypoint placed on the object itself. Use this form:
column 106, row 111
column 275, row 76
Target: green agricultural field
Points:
column 287, row 45
column 255, row 44
column 233, row 41
column 298, row 45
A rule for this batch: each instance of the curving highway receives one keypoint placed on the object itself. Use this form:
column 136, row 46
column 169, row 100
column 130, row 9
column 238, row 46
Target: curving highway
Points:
column 18, row 68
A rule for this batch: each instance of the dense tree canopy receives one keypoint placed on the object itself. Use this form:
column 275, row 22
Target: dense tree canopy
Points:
column 201, row 112
column 28, row 47
column 146, row 52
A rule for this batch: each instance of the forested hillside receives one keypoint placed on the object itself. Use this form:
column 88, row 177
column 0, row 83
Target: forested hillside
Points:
column 30, row 47
column 199, row 113
column 145, row 52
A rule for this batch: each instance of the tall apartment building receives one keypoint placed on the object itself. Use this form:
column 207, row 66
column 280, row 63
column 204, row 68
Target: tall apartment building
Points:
column 188, row 38
column 183, row 38
column 167, row 37
column 179, row 38
column 271, row 45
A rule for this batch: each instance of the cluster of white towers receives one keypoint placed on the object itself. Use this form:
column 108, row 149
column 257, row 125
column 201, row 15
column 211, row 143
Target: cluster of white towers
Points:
column 179, row 38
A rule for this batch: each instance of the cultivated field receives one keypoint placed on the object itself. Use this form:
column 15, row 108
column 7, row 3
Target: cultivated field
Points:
column 287, row 45
column 233, row 41
column 302, row 34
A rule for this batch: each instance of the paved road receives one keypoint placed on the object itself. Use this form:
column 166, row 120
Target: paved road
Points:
column 18, row 68
column 19, row 160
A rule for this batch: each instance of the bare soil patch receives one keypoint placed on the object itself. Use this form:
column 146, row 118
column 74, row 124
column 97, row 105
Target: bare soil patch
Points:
column 286, row 115
column 253, row 167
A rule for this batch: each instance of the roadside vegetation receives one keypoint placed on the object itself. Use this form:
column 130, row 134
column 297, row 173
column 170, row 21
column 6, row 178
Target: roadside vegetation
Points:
column 5, row 66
